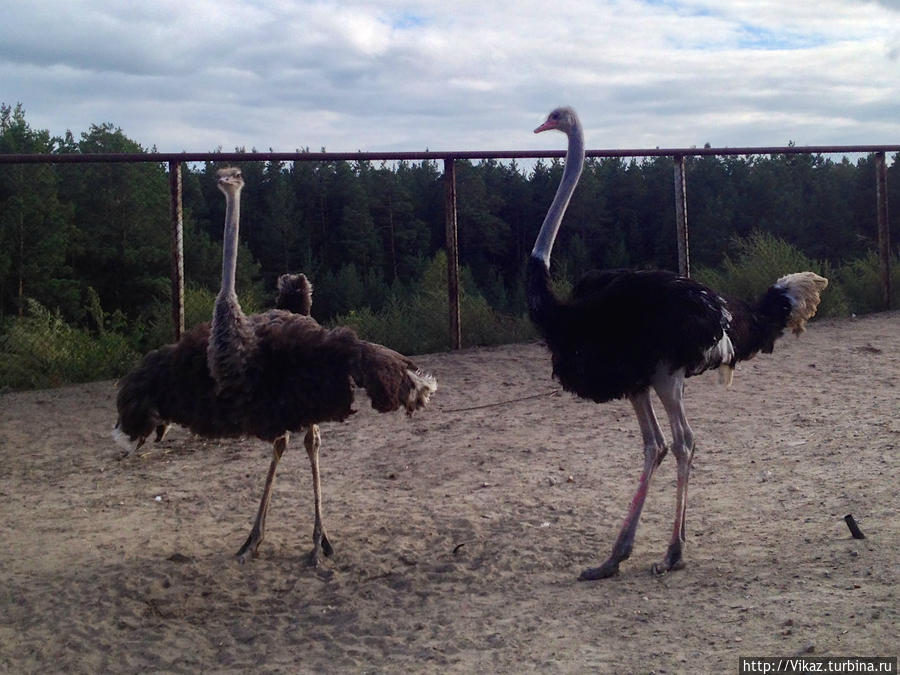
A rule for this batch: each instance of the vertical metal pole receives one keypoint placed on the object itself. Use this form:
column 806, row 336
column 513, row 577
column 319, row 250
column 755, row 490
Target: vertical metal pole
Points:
column 177, row 249
column 681, row 221
column 884, row 230
column 452, row 251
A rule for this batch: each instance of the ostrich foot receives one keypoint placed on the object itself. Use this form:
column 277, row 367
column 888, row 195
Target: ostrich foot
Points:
column 608, row 569
column 673, row 561
column 161, row 431
column 327, row 548
column 250, row 549
column 322, row 545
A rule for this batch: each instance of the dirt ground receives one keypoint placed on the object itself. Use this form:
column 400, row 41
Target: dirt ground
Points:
column 459, row 534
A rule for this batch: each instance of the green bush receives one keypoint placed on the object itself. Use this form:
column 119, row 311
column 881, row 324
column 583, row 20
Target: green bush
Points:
column 41, row 350
column 861, row 279
column 157, row 328
column 762, row 259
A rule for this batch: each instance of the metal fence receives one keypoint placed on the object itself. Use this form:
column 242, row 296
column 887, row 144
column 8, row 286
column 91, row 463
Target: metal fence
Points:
column 175, row 162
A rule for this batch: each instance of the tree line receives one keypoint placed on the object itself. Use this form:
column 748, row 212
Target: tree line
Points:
column 91, row 241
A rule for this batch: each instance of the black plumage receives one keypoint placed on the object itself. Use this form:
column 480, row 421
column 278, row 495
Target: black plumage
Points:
column 608, row 339
column 755, row 328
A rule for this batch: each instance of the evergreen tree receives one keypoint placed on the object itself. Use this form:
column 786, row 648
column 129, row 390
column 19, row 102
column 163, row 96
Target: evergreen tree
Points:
column 122, row 218
column 404, row 236
column 484, row 237
column 35, row 227
column 278, row 238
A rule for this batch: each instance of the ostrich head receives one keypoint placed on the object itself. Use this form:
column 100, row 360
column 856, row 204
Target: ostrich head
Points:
column 564, row 119
column 229, row 180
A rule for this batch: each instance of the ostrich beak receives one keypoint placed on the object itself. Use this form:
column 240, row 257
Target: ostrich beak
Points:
column 549, row 124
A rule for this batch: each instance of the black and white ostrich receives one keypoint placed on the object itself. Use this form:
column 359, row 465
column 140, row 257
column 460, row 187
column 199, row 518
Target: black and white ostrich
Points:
column 274, row 373
column 172, row 384
column 623, row 332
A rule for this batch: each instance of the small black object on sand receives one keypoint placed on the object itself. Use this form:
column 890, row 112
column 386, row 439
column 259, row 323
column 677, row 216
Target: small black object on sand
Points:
column 854, row 528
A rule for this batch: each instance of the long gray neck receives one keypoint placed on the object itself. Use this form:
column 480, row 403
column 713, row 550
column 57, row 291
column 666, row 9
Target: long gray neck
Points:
column 230, row 242
column 574, row 163
column 232, row 342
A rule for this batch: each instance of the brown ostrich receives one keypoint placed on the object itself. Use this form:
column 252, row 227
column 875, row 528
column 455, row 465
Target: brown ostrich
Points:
column 271, row 374
column 624, row 332
column 171, row 384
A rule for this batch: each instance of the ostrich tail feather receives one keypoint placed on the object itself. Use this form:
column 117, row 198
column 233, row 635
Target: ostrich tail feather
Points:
column 424, row 385
column 391, row 380
column 804, row 290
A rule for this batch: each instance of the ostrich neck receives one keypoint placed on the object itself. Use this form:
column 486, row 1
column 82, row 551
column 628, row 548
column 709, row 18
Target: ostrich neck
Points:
column 574, row 163
column 230, row 244
column 231, row 338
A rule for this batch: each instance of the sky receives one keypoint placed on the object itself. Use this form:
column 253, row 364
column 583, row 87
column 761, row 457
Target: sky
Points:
column 463, row 75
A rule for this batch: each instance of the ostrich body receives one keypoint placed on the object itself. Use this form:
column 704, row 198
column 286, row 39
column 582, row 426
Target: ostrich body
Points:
column 623, row 333
column 271, row 374
column 172, row 384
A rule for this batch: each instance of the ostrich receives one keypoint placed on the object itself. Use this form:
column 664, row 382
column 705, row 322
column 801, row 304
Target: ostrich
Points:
column 274, row 373
column 279, row 372
column 623, row 332
column 172, row 384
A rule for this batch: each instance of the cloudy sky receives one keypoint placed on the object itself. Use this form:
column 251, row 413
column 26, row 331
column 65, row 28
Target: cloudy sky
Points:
column 456, row 75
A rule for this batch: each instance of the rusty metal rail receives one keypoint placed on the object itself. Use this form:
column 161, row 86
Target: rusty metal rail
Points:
column 175, row 160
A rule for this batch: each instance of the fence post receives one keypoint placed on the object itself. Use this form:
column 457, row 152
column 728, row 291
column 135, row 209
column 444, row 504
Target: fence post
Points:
column 681, row 221
column 177, row 241
column 452, row 251
column 884, row 230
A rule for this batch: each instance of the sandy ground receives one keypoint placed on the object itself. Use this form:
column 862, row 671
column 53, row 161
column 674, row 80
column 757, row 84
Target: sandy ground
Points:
column 459, row 534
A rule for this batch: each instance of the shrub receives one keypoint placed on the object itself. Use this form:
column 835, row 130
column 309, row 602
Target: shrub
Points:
column 761, row 259
column 157, row 329
column 861, row 279
column 41, row 350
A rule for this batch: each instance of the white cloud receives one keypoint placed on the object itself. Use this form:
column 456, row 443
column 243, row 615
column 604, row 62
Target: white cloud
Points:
column 463, row 75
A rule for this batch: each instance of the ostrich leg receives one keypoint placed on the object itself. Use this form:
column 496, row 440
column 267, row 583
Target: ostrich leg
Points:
column 320, row 539
column 259, row 527
column 671, row 392
column 654, row 451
